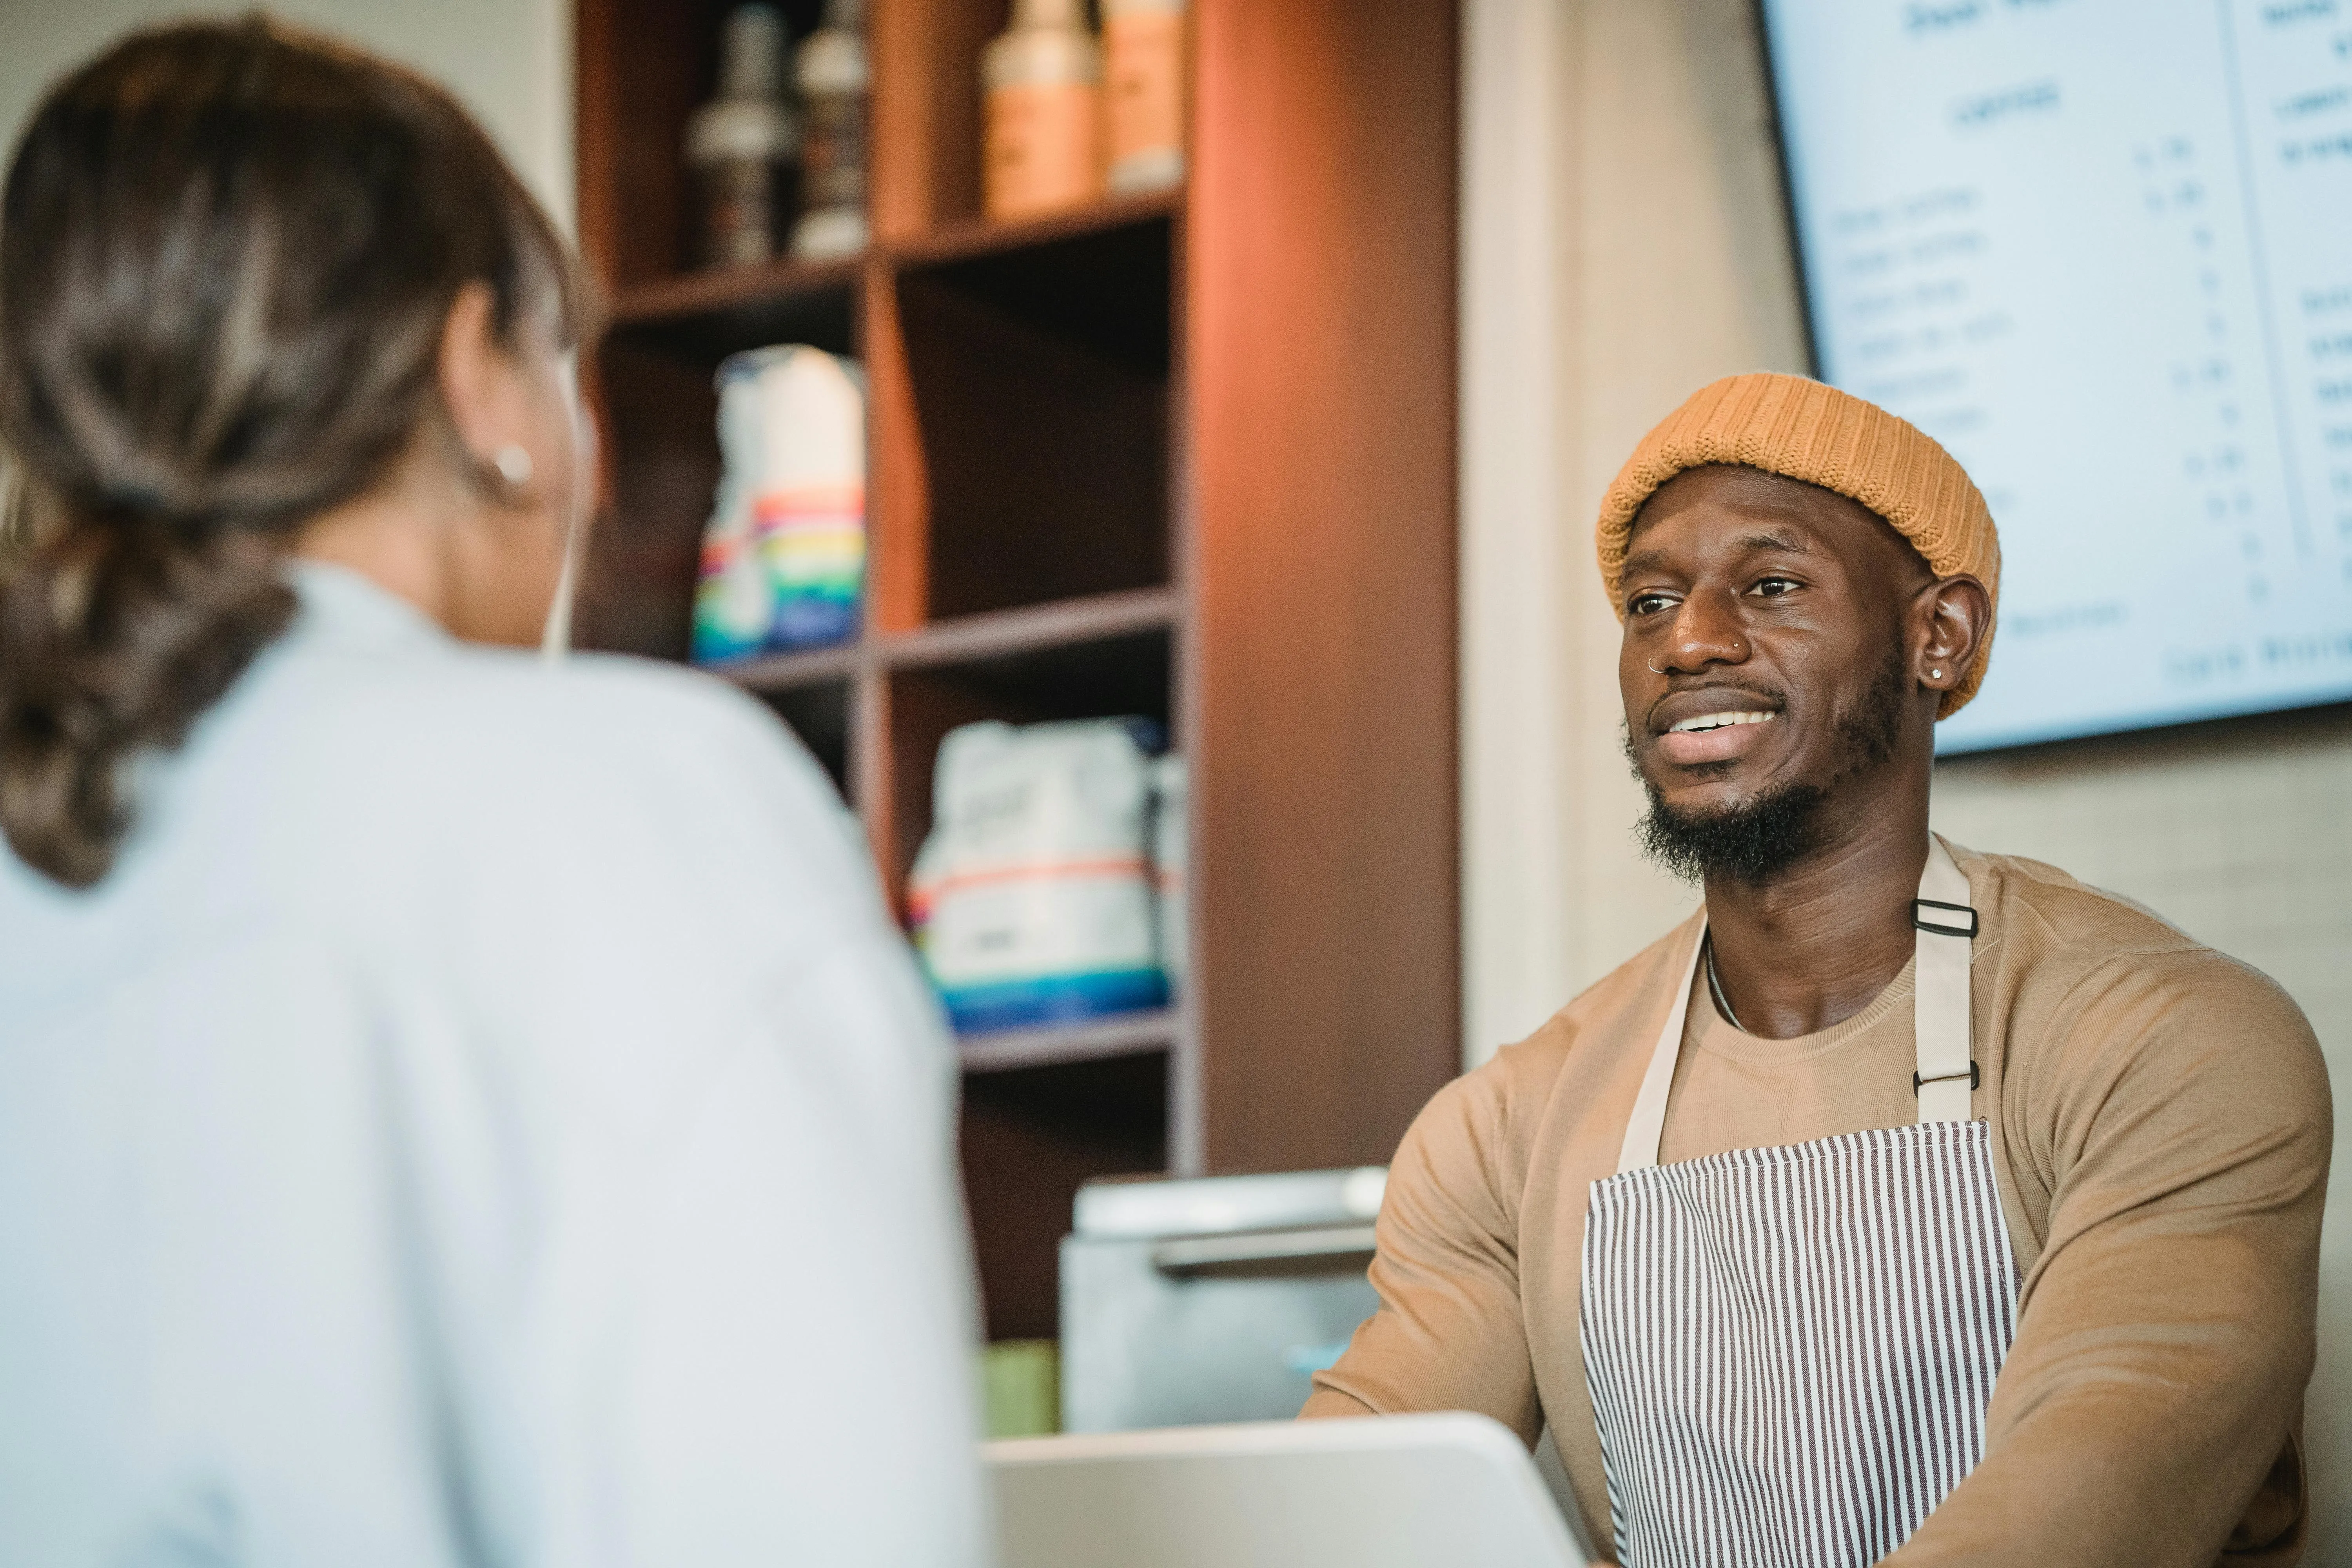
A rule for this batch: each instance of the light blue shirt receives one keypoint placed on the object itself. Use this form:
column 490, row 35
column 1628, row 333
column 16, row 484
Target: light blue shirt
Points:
column 486, row 1116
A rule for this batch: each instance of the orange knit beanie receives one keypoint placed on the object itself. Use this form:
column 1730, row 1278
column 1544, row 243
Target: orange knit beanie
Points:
column 1801, row 430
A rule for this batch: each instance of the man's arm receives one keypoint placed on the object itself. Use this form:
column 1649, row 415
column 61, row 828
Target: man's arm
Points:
column 1449, row 1334
column 2180, row 1108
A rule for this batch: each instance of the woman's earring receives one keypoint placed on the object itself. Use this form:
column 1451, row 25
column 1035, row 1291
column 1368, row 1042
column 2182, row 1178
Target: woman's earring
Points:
column 513, row 464
column 1937, row 674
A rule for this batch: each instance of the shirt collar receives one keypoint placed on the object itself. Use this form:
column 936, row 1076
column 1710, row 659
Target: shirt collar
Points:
column 349, row 609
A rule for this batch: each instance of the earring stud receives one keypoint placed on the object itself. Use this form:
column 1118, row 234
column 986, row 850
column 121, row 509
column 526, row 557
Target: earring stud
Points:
column 513, row 463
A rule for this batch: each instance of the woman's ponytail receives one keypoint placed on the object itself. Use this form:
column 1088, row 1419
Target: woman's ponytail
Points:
column 227, row 252
column 112, row 638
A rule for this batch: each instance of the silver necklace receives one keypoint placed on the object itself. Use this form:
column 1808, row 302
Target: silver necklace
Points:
column 1715, row 988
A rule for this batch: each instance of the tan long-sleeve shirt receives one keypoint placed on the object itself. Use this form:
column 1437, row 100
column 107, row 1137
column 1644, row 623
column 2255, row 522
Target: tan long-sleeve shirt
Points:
column 2160, row 1130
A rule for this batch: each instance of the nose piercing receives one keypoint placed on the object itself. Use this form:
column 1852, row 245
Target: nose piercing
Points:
column 1656, row 671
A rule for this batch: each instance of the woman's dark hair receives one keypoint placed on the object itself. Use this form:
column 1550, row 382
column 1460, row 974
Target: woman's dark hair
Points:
column 227, row 255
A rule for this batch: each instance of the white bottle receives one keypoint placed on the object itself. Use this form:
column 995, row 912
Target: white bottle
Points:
column 742, row 143
column 1043, row 81
column 833, row 77
column 1143, row 93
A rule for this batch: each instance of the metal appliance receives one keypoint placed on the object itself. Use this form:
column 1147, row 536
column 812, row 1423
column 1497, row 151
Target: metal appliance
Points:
column 1211, row 1299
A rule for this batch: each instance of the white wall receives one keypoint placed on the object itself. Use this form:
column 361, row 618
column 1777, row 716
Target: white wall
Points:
column 1624, row 245
column 510, row 61
column 1625, row 242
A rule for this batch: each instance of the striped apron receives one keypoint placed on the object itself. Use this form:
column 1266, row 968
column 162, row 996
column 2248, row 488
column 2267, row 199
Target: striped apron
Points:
column 1791, row 1350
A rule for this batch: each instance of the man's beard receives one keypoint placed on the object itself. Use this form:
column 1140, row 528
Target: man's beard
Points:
column 1757, row 840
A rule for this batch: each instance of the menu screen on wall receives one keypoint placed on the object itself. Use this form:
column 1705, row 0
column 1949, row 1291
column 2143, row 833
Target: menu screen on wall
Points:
column 2102, row 250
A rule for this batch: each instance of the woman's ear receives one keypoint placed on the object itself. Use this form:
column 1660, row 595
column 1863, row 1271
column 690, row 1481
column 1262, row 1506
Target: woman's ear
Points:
column 481, row 385
column 1959, row 617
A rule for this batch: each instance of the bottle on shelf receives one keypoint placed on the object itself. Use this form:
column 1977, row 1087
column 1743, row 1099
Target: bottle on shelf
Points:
column 1143, row 93
column 743, row 144
column 831, row 72
column 1042, row 80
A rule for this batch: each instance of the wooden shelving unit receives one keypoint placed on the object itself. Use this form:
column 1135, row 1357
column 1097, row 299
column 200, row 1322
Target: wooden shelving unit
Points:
column 1188, row 456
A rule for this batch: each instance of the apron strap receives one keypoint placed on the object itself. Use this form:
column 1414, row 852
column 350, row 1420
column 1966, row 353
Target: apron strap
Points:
column 1647, row 1125
column 1946, row 928
column 1943, row 926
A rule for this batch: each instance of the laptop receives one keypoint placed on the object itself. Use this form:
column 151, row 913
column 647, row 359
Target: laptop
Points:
column 1397, row 1492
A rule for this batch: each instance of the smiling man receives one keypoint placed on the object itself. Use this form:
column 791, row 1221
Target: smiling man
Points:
column 1906, row 1203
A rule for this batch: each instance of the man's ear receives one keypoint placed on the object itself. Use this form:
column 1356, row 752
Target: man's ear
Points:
column 1959, row 615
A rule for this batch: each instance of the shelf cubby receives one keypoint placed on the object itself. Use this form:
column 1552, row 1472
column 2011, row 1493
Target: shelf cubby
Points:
column 1040, row 380
column 819, row 713
column 927, row 109
column 1031, row 1137
column 653, row 374
column 662, row 463
column 644, row 67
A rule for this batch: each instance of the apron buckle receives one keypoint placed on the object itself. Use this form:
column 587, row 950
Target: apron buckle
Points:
column 1920, row 919
column 1974, row 1078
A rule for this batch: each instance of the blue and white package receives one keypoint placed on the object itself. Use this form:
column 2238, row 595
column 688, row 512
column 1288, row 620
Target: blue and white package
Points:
column 1034, row 898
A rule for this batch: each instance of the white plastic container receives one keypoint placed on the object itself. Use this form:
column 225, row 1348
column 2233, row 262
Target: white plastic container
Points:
column 783, row 556
column 1042, row 83
column 1033, row 897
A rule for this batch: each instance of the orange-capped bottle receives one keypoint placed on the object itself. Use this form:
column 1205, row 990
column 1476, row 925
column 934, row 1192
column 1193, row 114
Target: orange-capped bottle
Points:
column 1043, row 150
